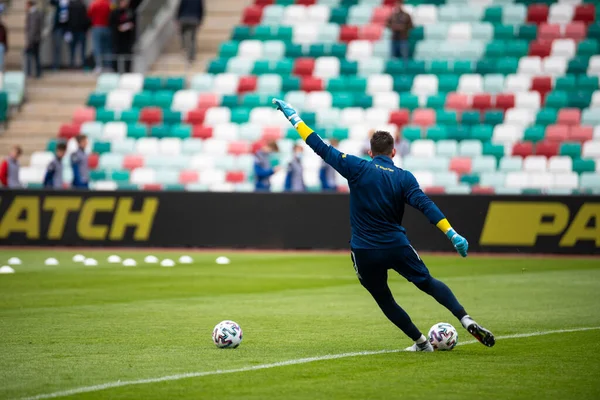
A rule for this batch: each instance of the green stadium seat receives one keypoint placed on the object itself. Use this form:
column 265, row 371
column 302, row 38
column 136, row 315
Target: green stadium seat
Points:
column 174, row 83
column 493, row 117
column 482, row 133
column 143, row 99
column 436, row 102
column 546, row 116
column 572, row 150
column 504, row 32
column 409, row 101
column 228, row 50
column 490, row 149
column 241, row 32
column 130, row 116
column 436, row 132
column 588, row 48
column 411, row 133
column 507, row 65
column 493, row 14
column 578, row 65
column 153, row 83
column 534, row 133
column 181, row 131
column 403, row 83
column 581, row 165
column 461, row 67
column 446, row 117
column 136, row 131
column 171, row 117
column 587, row 83
column 240, row 115
column 471, row 118
column 101, row 147
column 470, row 179
column 217, row 66
column 565, row 83
column 103, row 115
column 447, row 83
column 96, row 100
column 557, row 99
column 580, row 99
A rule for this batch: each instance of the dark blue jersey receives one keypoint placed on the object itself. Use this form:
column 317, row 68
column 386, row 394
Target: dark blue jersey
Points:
column 378, row 192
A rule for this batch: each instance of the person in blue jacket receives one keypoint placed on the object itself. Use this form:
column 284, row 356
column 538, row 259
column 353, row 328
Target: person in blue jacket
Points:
column 79, row 163
column 54, row 171
column 263, row 170
column 294, row 180
column 378, row 193
column 327, row 173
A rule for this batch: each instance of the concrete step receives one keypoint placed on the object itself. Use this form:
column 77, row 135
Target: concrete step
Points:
column 49, row 94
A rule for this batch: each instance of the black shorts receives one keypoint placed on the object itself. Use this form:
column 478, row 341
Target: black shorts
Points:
column 371, row 265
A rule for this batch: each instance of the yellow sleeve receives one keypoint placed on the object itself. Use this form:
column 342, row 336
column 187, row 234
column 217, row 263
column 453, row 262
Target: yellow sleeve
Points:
column 444, row 225
column 303, row 130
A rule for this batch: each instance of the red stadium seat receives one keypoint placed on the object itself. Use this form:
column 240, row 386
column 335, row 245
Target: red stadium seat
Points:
column 247, row 84
column 348, row 33
column 389, row 3
column 371, row 32
column 482, row 190
column 239, row 147
column 547, row 149
column 399, row 117
column 549, row 31
column 235, row 177
column 569, row 116
column 522, row 149
column 311, row 84
column 585, row 13
column 195, row 117
column 202, row 132
column 272, row 133
column 482, row 102
column 457, row 101
column 576, row 31
column 381, row 15
column 423, row 117
column 540, row 48
column 306, row 2
column 263, row 2
column 67, row 131
column 93, row 160
column 557, row 133
column 207, row 100
column 132, row 161
column 256, row 146
column 505, row 101
column 537, row 13
column 304, row 66
column 154, row 187
column 151, row 115
column 460, row 165
column 581, row 133
column 84, row 114
column 188, row 176
column 434, row 190
column 541, row 84
column 252, row 15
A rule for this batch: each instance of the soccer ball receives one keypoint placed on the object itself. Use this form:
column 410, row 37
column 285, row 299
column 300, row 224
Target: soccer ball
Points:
column 227, row 334
column 443, row 336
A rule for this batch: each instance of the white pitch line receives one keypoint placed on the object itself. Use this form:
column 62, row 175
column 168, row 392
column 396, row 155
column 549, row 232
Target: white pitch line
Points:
column 109, row 385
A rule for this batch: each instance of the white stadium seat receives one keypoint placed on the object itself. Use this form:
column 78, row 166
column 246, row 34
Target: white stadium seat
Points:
column 114, row 131
column 423, row 148
column 41, row 159
column 535, row 164
column 143, row 176
column 251, row 49
column 132, row 82
column 119, row 100
column 147, row 146
column 217, row 115
column 185, row 100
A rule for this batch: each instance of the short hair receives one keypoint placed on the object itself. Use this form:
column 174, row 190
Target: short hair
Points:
column 273, row 145
column 382, row 143
column 80, row 138
column 61, row 146
column 18, row 150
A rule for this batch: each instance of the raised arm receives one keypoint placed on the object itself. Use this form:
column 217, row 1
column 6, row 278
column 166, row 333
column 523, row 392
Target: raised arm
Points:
column 414, row 196
column 347, row 165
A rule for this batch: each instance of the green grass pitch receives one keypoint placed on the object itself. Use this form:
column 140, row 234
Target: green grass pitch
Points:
column 70, row 326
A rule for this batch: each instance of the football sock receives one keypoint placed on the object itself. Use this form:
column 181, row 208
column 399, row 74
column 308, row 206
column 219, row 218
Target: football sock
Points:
column 466, row 321
column 421, row 340
column 394, row 312
column 442, row 293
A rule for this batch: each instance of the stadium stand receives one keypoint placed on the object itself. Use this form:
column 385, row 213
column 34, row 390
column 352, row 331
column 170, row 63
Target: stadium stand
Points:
column 499, row 97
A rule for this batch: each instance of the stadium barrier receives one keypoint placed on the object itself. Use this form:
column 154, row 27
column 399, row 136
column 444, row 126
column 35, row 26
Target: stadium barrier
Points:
column 528, row 224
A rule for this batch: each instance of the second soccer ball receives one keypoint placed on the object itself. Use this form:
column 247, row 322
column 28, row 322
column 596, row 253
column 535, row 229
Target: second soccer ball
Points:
column 227, row 334
column 443, row 336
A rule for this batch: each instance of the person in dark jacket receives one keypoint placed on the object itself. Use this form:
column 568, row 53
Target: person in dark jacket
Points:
column 9, row 169
column 79, row 24
column 60, row 29
column 3, row 44
column 294, row 180
column 79, row 163
column 54, row 171
column 262, row 166
column 33, row 38
column 189, row 17
column 327, row 173
column 122, row 25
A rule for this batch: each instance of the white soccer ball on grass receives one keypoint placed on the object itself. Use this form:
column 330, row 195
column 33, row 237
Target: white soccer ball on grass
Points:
column 227, row 335
column 443, row 336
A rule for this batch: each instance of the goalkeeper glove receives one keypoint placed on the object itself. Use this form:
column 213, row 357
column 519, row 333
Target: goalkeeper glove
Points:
column 288, row 111
column 460, row 243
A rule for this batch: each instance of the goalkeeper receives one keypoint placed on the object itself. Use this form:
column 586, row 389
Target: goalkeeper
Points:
column 378, row 192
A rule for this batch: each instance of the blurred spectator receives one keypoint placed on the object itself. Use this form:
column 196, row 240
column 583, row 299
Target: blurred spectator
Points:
column 262, row 166
column 190, row 16
column 327, row 173
column 9, row 169
column 400, row 23
column 99, row 14
column 60, row 30
column 79, row 24
column 3, row 43
column 122, row 24
column 79, row 163
column 402, row 145
column 33, row 37
column 54, row 172
column 294, row 181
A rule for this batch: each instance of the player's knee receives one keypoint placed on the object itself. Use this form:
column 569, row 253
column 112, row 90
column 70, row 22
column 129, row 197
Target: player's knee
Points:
column 424, row 283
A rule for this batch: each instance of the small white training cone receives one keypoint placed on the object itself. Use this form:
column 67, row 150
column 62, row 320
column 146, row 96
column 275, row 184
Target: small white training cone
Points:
column 51, row 261
column 114, row 259
column 129, row 262
column 6, row 270
column 14, row 261
column 90, row 262
column 222, row 260
column 167, row 262
column 79, row 258
column 151, row 259
column 186, row 260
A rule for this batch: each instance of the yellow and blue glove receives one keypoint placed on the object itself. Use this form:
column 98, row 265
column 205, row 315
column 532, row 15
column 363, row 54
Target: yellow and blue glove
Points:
column 460, row 243
column 288, row 111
